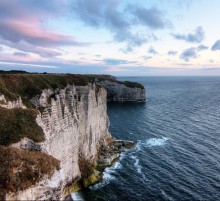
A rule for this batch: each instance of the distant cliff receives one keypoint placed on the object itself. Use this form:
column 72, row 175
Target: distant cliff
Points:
column 54, row 134
column 124, row 91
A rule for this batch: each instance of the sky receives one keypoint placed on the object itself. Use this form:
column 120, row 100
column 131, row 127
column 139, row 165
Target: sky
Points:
column 117, row 37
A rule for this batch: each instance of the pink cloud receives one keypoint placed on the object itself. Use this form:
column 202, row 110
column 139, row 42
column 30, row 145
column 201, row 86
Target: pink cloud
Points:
column 19, row 58
column 23, row 29
column 117, row 69
column 31, row 32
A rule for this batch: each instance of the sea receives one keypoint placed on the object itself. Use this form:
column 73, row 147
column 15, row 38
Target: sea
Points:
column 177, row 135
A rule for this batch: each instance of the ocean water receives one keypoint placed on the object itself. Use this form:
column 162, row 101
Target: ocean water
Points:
column 177, row 132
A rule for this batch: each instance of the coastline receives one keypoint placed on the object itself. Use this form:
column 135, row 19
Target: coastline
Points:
column 108, row 156
column 70, row 124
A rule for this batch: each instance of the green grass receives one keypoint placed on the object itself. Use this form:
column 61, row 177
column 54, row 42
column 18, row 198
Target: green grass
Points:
column 20, row 169
column 133, row 84
column 18, row 123
column 29, row 85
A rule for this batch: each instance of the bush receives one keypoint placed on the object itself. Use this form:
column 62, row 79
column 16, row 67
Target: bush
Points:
column 18, row 123
column 20, row 169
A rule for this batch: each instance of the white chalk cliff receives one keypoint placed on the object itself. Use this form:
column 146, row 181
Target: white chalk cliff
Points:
column 75, row 124
column 119, row 92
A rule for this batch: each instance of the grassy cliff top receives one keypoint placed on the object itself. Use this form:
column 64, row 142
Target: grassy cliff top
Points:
column 28, row 85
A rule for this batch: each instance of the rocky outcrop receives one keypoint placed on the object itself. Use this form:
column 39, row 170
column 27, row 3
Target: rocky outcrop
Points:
column 28, row 144
column 108, row 154
column 118, row 91
column 11, row 104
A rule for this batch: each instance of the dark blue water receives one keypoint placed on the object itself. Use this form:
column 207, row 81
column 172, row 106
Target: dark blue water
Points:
column 177, row 131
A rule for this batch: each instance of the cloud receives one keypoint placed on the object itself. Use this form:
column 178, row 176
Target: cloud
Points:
column 127, row 49
column 99, row 13
column 172, row 53
column 147, row 57
column 50, row 7
column 26, row 47
column 1, row 48
column 196, row 37
column 192, row 53
column 26, row 64
column 188, row 54
column 32, row 32
column 117, row 69
column 216, row 46
column 151, row 50
column 152, row 17
column 117, row 61
column 202, row 47
column 107, row 14
column 21, row 22
column 184, row 4
column 21, row 54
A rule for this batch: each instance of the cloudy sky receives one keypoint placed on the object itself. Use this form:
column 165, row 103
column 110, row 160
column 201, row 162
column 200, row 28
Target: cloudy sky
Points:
column 118, row 37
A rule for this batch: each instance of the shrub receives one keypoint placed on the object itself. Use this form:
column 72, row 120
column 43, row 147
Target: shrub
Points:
column 18, row 123
column 20, row 169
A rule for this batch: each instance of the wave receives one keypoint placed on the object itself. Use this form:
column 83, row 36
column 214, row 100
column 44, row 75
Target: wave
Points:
column 136, row 164
column 77, row 196
column 166, row 196
column 152, row 142
column 138, row 167
column 109, row 174
column 148, row 143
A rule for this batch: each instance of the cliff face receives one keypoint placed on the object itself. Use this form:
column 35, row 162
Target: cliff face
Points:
column 122, row 93
column 69, row 126
column 75, row 125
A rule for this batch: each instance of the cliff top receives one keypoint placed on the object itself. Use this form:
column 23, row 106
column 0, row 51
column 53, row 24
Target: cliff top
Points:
column 27, row 85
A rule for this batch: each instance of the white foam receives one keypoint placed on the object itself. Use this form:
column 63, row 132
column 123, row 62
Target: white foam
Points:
column 77, row 196
column 156, row 141
column 138, row 146
column 108, row 174
column 136, row 149
column 138, row 167
column 117, row 165
column 166, row 196
column 136, row 164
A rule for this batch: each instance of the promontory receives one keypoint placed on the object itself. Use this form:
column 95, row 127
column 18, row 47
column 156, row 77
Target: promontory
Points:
column 54, row 132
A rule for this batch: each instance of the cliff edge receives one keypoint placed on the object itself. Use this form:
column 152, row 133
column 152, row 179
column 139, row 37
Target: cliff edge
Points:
column 54, row 136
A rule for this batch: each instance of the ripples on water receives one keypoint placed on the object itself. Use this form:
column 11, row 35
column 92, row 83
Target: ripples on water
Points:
column 177, row 131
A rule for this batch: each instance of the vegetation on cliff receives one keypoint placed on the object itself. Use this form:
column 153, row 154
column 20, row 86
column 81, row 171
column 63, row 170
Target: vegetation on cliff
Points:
column 18, row 123
column 89, row 176
column 132, row 84
column 20, row 169
column 28, row 85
